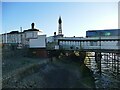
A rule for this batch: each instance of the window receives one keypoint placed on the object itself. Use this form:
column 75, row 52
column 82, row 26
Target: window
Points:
column 93, row 43
column 107, row 34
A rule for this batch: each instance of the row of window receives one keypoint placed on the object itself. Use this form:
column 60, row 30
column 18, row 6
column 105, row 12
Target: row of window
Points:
column 98, row 33
column 89, row 43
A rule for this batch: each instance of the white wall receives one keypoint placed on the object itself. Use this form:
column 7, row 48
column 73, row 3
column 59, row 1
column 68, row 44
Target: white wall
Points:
column 31, row 34
column 4, row 38
column 0, row 38
column 11, row 38
column 40, row 42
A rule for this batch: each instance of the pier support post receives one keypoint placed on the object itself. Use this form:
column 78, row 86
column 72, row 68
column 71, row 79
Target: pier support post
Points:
column 98, row 57
column 112, row 62
column 118, row 66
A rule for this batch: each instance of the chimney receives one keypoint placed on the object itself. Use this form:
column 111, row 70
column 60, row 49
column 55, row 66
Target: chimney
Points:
column 54, row 33
column 21, row 29
column 32, row 25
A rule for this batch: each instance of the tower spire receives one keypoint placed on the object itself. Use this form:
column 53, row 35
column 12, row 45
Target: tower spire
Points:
column 60, row 26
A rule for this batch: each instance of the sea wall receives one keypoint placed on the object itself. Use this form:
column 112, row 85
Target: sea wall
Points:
column 9, row 51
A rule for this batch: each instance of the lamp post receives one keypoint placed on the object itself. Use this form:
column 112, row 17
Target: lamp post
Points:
column 100, row 53
column 118, row 40
column 100, row 40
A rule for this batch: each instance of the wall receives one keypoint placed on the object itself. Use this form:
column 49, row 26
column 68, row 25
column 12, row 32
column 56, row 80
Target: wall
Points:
column 11, row 38
column 31, row 34
column 40, row 42
column 37, row 52
column 10, row 51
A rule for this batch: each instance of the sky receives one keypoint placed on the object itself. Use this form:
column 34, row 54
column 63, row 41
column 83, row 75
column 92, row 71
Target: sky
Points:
column 77, row 17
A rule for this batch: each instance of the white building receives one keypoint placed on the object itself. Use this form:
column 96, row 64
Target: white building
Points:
column 29, row 38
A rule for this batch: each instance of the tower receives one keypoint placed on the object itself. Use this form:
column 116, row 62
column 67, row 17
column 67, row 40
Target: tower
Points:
column 60, row 26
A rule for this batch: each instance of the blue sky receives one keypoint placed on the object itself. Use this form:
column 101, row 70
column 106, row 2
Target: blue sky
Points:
column 77, row 17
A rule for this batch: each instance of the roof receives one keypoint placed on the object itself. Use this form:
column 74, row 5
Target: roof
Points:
column 105, row 30
column 31, row 30
column 14, row 32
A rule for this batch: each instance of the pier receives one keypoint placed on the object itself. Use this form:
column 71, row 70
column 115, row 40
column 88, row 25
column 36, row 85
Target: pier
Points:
column 105, row 51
